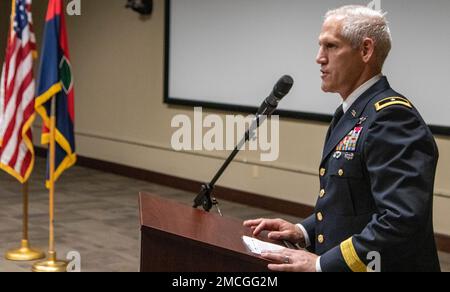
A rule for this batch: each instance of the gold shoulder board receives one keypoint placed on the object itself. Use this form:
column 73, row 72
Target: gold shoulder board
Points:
column 392, row 101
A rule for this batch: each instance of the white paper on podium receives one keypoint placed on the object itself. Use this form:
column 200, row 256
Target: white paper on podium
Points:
column 257, row 246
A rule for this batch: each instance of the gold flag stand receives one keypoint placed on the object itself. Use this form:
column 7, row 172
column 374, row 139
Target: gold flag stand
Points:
column 52, row 264
column 25, row 252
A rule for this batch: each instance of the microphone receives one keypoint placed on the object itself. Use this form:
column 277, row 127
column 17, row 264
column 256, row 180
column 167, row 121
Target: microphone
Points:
column 268, row 107
column 280, row 90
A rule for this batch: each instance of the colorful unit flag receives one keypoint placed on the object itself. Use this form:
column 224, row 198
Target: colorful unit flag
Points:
column 17, row 89
column 55, row 81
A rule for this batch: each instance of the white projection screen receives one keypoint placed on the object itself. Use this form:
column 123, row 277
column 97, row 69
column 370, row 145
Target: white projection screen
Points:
column 228, row 54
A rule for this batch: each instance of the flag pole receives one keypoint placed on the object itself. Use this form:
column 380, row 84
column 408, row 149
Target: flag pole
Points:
column 51, row 264
column 25, row 253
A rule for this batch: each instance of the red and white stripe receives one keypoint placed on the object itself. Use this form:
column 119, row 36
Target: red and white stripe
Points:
column 30, row 23
column 17, row 99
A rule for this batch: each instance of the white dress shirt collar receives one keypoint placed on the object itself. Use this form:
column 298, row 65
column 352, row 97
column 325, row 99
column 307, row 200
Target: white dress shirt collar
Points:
column 346, row 104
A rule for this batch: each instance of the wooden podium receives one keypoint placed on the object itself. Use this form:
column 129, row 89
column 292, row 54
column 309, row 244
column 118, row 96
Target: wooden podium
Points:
column 177, row 238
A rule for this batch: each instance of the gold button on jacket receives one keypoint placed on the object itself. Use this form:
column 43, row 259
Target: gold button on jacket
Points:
column 321, row 239
column 320, row 216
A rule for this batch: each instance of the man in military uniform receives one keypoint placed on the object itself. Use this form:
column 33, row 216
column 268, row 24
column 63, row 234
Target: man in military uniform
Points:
column 378, row 167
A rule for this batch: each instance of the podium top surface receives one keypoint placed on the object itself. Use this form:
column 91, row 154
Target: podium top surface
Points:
column 173, row 218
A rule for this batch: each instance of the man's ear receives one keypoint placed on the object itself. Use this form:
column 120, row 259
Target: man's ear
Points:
column 368, row 50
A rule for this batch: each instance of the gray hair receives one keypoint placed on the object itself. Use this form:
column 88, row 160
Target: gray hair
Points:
column 361, row 22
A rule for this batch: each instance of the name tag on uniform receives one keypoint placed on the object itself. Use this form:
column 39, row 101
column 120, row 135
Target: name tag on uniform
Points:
column 350, row 141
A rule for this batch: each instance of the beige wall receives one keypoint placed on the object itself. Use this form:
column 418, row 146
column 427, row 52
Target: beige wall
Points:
column 120, row 116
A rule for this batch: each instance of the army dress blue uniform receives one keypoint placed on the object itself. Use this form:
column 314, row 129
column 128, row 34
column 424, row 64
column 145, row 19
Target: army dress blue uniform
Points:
column 376, row 188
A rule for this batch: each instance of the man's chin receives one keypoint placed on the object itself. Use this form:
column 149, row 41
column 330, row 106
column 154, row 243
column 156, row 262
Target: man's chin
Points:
column 326, row 89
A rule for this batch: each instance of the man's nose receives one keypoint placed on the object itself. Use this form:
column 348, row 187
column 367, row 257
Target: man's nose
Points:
column 321, row 58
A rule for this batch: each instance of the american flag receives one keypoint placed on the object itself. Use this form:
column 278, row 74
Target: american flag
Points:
column 17, row 95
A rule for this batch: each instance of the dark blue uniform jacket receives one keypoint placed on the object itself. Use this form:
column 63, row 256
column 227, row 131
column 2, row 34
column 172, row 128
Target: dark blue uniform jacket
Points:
column 376, row 188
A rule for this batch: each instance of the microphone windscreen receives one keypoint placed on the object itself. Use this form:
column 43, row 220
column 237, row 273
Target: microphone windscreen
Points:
column 283, row 86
